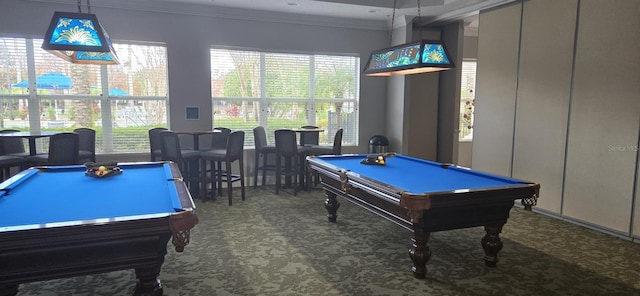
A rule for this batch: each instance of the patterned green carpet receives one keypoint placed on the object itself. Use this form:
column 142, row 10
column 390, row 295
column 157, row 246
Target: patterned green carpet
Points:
column 283, row 245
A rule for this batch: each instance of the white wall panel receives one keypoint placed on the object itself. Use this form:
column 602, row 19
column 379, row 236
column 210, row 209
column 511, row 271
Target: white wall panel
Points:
column 496, row 89
column 544, row 87
column 603, row 127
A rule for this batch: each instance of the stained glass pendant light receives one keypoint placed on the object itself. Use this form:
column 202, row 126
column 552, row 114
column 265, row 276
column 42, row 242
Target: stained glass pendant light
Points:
column 411, row 58
column 79, row 38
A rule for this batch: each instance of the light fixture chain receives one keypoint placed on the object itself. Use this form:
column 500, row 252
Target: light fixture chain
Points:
column 418, row 9
column 393, row 18
column 80, row 6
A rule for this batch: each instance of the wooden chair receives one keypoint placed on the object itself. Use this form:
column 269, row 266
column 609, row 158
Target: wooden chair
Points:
column 64, row 149
column 87, row 152
column 234, row 151
column 262, row 149
column 288, row 150
column 155, row 145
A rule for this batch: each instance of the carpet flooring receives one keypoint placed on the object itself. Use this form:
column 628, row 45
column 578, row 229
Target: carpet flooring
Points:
column 283, row 245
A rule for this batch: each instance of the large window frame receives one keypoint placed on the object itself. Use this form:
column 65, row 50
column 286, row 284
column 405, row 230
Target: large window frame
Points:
column 314, row 101
column 123, row 101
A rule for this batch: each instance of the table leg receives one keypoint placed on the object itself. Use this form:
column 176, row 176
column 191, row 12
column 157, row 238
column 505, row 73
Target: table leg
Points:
column 492, row 244
column 194, row 178
column 287, row 178
column 148, row 282
column 419, row 253
column 303, row 172
column 32, row 146
column 8, row 290
column 332, row 205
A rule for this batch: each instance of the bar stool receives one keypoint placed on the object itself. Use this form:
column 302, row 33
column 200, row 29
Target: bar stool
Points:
column 287, row 149
column 335, row 149
column 262, row 149
column 87, row 144
column 309, row 137
column 234, row 151
column 154, row 143
column 184, row 158
column 64, row 149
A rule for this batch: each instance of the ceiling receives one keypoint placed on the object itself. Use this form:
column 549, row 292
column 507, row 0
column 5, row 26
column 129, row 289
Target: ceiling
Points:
column 363, row 12
column 357, row 9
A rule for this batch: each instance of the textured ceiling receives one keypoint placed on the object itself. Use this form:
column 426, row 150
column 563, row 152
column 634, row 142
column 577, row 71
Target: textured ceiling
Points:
column 376, row 14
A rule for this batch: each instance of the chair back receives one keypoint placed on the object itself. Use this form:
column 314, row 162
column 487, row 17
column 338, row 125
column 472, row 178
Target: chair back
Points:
column 154, row 140
column 87, row 139
column 235, row 146
column 310, row 138
column 170, row 146
column 11, row 145
column 286, row 143
column 219, row 140
column 64, row 149
column 259, row 137
column 337, row 142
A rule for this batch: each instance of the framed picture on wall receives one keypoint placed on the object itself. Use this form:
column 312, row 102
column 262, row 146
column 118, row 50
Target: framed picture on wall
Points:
column 192, row 113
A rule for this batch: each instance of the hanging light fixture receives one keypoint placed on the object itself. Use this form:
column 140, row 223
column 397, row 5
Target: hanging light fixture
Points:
column 411, row 58
column 79, row 38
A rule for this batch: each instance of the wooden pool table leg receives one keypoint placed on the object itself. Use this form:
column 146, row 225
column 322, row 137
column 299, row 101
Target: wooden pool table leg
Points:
column 419, row 253
column 148, row 282
column 8, row 290
column 492, row 244
column 332, row 205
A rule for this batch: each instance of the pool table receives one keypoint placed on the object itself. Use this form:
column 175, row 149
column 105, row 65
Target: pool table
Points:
column 424, row 197
column 57, row 222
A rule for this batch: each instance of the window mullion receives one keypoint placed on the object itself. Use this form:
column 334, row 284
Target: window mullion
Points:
column 264, row 104
column 105, row 110
column 33, row 101
column 311, row 106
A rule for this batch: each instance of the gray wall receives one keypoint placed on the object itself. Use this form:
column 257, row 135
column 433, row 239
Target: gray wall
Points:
column 189, row 33
column 423, row 109
column 557, row 103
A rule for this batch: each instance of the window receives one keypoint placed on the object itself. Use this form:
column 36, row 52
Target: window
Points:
column 467, row 100
column 283, row 90
column 121, row 102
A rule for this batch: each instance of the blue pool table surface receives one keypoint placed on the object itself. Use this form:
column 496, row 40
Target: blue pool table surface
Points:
column 36, row 197
column 419, row 176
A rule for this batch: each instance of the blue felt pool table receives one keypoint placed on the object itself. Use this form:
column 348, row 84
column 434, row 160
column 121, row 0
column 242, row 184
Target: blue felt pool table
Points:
column 59, row 222
column 423, row 197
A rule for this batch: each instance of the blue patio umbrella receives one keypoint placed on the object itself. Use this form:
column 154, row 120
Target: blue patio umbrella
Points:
column 117, row 92
column 51, row 80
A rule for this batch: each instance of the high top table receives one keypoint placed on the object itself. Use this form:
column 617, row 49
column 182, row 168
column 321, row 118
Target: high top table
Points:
column 194, row 186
